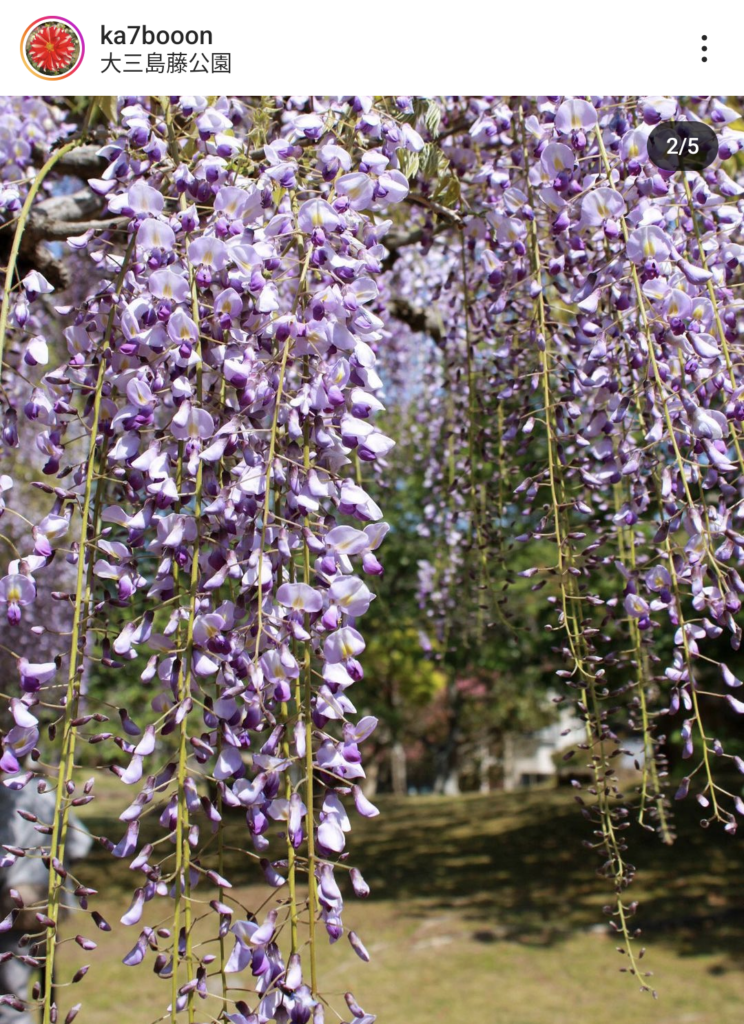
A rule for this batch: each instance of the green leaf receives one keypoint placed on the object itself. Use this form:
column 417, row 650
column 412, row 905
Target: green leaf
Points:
column 433, row 117
column 107, row 106
column 447, row 191
column 409, row 163
column 429, row 160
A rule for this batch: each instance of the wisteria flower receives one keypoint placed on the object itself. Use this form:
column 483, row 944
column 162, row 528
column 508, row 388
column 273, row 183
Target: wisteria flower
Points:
column 649, row 243
column 16, row 591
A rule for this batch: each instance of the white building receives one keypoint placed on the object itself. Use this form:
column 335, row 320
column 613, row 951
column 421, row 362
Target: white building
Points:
column 529, row 758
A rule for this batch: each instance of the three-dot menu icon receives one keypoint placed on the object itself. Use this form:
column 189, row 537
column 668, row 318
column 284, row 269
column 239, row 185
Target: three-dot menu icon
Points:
column 704, row 48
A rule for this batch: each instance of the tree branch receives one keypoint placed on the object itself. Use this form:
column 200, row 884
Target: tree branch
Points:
column 82, row 162
column 425, row 321
column 56, row 219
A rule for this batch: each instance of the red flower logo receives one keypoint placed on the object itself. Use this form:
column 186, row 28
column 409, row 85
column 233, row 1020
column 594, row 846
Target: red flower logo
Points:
column 51, row 48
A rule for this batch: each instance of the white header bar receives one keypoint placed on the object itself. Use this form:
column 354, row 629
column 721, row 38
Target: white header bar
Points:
column 380, row 47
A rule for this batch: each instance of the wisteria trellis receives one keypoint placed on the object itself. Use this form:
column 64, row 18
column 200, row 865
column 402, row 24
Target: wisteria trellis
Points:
column 208, row 407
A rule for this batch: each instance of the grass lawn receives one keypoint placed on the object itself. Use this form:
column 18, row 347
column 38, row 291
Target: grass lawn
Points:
column 483, row 909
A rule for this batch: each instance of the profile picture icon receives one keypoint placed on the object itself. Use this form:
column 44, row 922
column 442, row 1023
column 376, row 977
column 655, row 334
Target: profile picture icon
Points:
column 52, row 48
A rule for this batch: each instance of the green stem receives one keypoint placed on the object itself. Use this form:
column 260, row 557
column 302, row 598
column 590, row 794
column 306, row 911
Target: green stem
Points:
column 569, row 596
column 18, row 238
column 83, row 591
column 681, row 470
column 183, row 850
column 270, row 458
column 312, row 897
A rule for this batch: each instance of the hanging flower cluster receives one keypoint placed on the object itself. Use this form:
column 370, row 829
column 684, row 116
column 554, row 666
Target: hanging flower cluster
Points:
column 557, row 321
column 222, row 367
column 585, row 393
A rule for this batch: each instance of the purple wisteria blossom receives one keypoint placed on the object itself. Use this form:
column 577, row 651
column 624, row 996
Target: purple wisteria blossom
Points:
column 552, row 324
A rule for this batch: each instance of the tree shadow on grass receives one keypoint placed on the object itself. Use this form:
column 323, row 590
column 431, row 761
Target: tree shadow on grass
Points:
column 517, row 862
column 513, row 865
